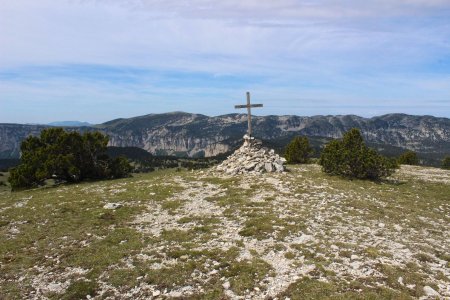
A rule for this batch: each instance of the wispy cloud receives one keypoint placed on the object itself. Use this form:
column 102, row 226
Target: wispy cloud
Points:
column 379, row 53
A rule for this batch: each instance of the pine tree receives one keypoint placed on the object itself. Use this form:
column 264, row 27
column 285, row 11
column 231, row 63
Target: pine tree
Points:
column 298, row 150
column 408, row 158
column 446, row 163
column 65, row 156
column 351, row 158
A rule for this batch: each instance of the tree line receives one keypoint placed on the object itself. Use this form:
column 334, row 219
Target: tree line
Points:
column 73, row 157
column 350, row 157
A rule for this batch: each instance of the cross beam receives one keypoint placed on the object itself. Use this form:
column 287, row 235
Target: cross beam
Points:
column 249, row 112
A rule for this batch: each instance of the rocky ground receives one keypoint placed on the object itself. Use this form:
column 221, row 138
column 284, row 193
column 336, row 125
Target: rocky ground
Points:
column 208, row 235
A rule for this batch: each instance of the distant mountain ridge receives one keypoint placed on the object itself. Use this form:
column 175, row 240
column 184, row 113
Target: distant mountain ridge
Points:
column 69, row 123
column 194, row 135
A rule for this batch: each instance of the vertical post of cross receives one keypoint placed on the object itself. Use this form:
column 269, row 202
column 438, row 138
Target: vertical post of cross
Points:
column 249, row 112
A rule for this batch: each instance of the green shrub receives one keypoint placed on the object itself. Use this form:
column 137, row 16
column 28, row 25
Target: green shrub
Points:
column 65, row 156
column 446, row 163
column 120, row 167
column 351, row 158
column 408, row 158
column 298, row 150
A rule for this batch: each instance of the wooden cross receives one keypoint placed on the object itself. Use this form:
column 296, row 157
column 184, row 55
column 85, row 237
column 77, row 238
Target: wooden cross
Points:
column 249, row 112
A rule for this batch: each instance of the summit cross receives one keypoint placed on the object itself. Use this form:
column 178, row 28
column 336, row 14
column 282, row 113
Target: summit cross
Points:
column 249, row 112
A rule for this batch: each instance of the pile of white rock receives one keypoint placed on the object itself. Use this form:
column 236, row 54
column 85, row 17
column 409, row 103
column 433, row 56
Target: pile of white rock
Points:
column 252, row 158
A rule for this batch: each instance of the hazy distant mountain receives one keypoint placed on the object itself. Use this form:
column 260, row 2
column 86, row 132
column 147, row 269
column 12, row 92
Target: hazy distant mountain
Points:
column 191, row 135
column 69, row 123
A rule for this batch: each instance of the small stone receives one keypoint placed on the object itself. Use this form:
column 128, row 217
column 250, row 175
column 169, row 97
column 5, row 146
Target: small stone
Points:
column 213, row 272
column 14, row 230
column 112, row 206
column 268, row 167
column 354, row 257
column 400, row 280
column 176, row 294
column 429, row 291
column 381, row 225
column 226, row 285
column 54, row 287
column 279, row 167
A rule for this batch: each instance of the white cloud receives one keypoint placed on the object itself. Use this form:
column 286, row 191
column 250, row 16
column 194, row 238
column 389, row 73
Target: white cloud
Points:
column 186, row 34
column 328, row 49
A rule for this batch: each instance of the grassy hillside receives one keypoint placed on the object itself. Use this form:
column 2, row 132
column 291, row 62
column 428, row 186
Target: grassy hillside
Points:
column 197, row 235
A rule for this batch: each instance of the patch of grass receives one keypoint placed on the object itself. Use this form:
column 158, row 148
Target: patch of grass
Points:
column 410, row 276
column 172, row 206
column 213, row 293
column 309, row 289
column 124, row 279
column 320, row 271
column 345, row 253
column 312, row 289
column 279, row 247
column 424, row 258
column 289, row 255
column 246, row 274
column 200, row 220
column 372, row 252
column 303, row 250
column 79, row 290
column 263, row 226
column 259, row 227
column 100, row 254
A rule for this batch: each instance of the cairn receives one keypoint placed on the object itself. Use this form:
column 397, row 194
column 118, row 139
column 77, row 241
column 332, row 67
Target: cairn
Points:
column 251, row 157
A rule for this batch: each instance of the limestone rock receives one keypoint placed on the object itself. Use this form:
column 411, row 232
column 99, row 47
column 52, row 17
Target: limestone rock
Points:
column 429, row 291
column 226, row 285
column 251, row 157
column 112, row 206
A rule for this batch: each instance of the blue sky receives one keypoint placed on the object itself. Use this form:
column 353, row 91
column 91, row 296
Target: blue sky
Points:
column 96, row 60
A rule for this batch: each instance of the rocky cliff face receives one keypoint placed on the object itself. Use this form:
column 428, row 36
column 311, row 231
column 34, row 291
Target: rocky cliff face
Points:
column 199, row 135
column 11, row 136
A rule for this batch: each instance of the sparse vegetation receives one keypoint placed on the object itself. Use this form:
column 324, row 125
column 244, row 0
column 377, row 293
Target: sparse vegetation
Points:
column 408, row 158
column 196, row 235
column 298, row 150
column 351, row 158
